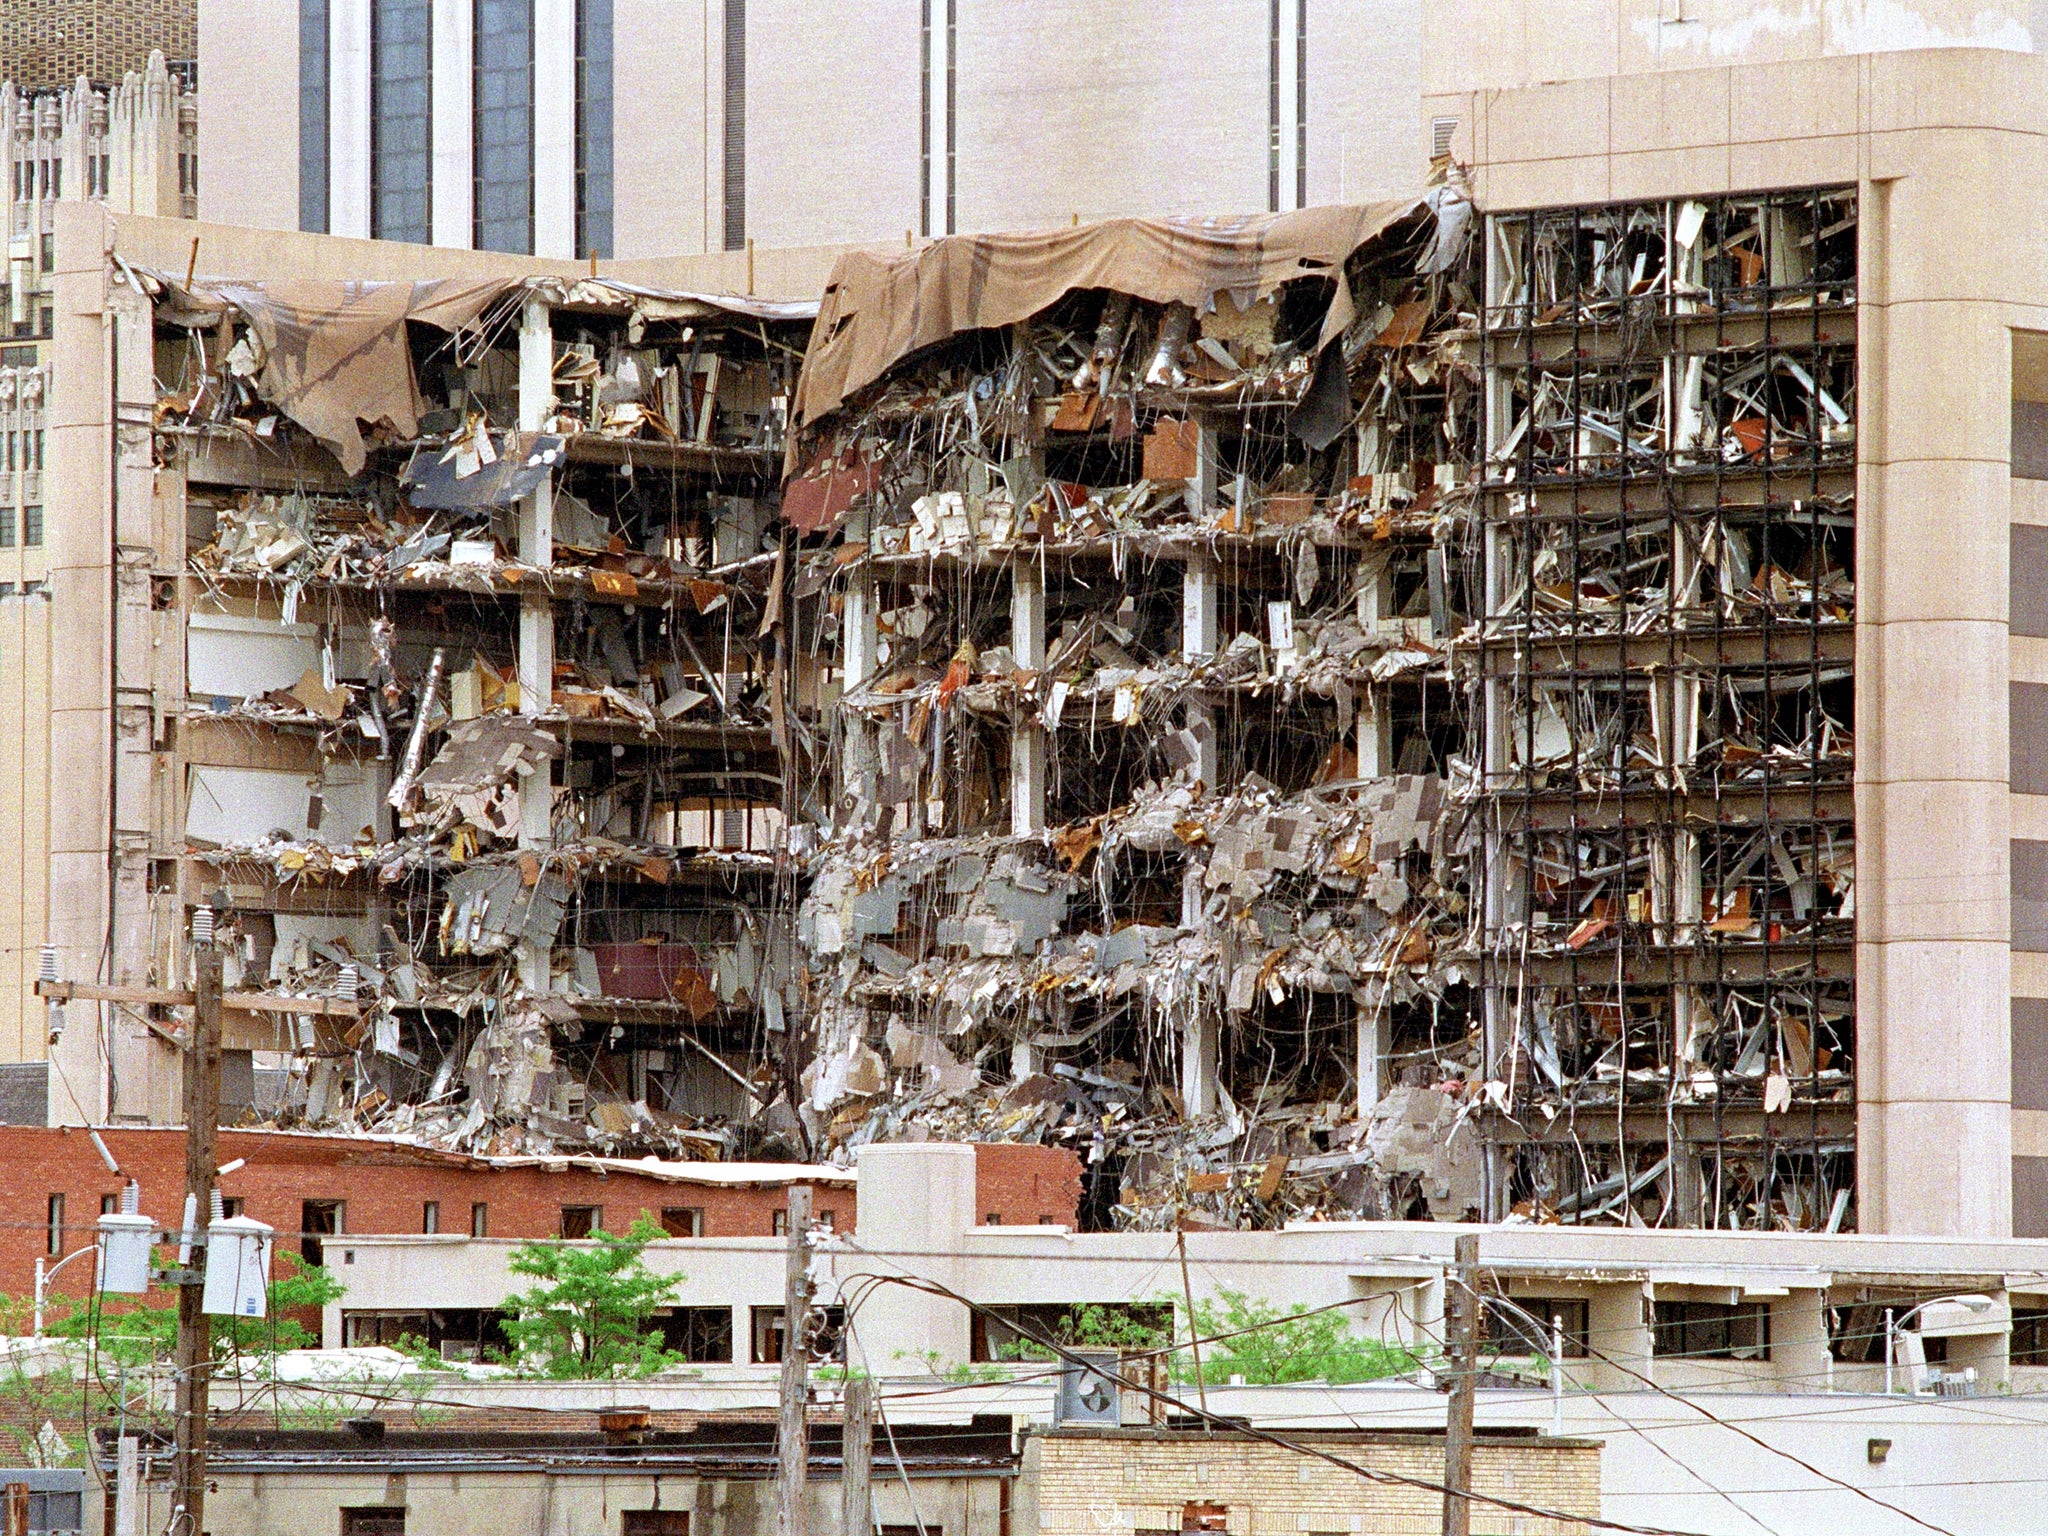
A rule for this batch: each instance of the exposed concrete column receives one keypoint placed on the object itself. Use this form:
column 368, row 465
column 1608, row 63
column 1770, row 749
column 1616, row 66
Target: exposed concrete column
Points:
column 858, row 651
column 1375, row 1044
column 536, row 611
column 1617, row 1318
column 1799, row 1341
column 1198, row 1053
column 917, row 1205
column 1028, row 743
column 1200, row 600
column 1376, row 719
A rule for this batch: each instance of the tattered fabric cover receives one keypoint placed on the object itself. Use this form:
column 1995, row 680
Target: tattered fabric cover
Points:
column 879, row 307
column 334, row 353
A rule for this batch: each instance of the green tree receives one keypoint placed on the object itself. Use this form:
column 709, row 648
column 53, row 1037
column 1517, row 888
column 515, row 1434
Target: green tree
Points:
column 587, row 1314
column 1268, row 1347
column 137, row 1334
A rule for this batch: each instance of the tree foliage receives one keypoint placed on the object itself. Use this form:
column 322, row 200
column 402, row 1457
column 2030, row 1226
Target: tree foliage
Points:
column 1255, row 1339
column 587, row 1314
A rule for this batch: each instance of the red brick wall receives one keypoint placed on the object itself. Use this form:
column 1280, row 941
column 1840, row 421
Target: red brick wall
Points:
column 1017, row 1184
column 384, row 1185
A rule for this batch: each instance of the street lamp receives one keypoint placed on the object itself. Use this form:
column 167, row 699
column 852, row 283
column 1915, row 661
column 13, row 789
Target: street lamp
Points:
column 45, row 1273
column 1974, row 1301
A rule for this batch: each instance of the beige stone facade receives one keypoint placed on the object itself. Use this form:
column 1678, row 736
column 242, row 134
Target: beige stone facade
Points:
column 1934, row 141
column 1080, row 1482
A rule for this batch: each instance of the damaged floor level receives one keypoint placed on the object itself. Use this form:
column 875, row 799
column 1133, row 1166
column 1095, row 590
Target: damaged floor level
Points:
column 1343, row 714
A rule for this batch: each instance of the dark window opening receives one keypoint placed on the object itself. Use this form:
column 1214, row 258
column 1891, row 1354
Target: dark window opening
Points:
column 654, row 1522
column 1011, row 1332
column 582, row 1220
column 1524, row 1328
column 318, row 1219
column 480, row 1219
column 53, row 1241
column 1711, row 1330
column 828, row 1334
column 430, row 1216
column 701, row 1335
column 683, row 1220
column 378, row 1520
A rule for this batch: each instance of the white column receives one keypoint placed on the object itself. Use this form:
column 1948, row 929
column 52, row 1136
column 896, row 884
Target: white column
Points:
column 1375, row 1044
column 1200, row 597
column 537, row 548
column 1198, row 1065
column 536, row 612
column 1376, row 716
column 454, row 138
column 348, row 118
column 554, row 128
column 1028, row 741
column 857, row 651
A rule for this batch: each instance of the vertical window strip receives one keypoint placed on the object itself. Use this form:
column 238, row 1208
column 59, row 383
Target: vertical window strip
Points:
column 594, row 128
column 924, row 137
column 1273, row 108
column 401, row 120
column 502, row 126
column 1301, row 103
column 735, row 124
column 952, row 114
column 313, row 66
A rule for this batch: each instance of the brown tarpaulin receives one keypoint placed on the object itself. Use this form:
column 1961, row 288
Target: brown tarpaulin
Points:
column 879, row 308
column 335, row 354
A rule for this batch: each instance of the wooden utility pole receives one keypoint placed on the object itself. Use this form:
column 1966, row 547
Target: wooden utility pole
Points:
column 202, row 1119
column 792, row 1433
column 1461, row 1343
column 857, row 1459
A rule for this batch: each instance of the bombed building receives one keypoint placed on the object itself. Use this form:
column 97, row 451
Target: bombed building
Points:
column 1344, row 714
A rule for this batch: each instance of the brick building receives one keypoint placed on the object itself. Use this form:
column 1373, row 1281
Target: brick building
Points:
column 1171, row 1480
column 311, row 1187
column 46, row 45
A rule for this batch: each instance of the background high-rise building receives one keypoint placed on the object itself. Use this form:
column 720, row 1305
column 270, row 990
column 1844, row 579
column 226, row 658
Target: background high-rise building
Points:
column 48, row 45
column 641, row 128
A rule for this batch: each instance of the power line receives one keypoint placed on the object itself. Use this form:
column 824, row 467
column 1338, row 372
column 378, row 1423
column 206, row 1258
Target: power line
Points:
column 1370, row 1474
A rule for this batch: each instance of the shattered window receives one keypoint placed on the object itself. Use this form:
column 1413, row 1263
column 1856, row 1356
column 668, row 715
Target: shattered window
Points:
column 503, row 125
column 581, row 1220
column 401, row 120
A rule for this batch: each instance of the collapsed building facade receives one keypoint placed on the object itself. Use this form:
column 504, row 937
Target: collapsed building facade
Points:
column 472, row 595
column 1343, row 714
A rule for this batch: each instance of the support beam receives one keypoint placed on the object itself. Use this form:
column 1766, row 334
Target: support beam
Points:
column 859, row 656
column 1028, row 741
column 1376, row 717
column 1198, row 1053
column 1375, row 1045
column 1200, row 624
column 536, row 611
